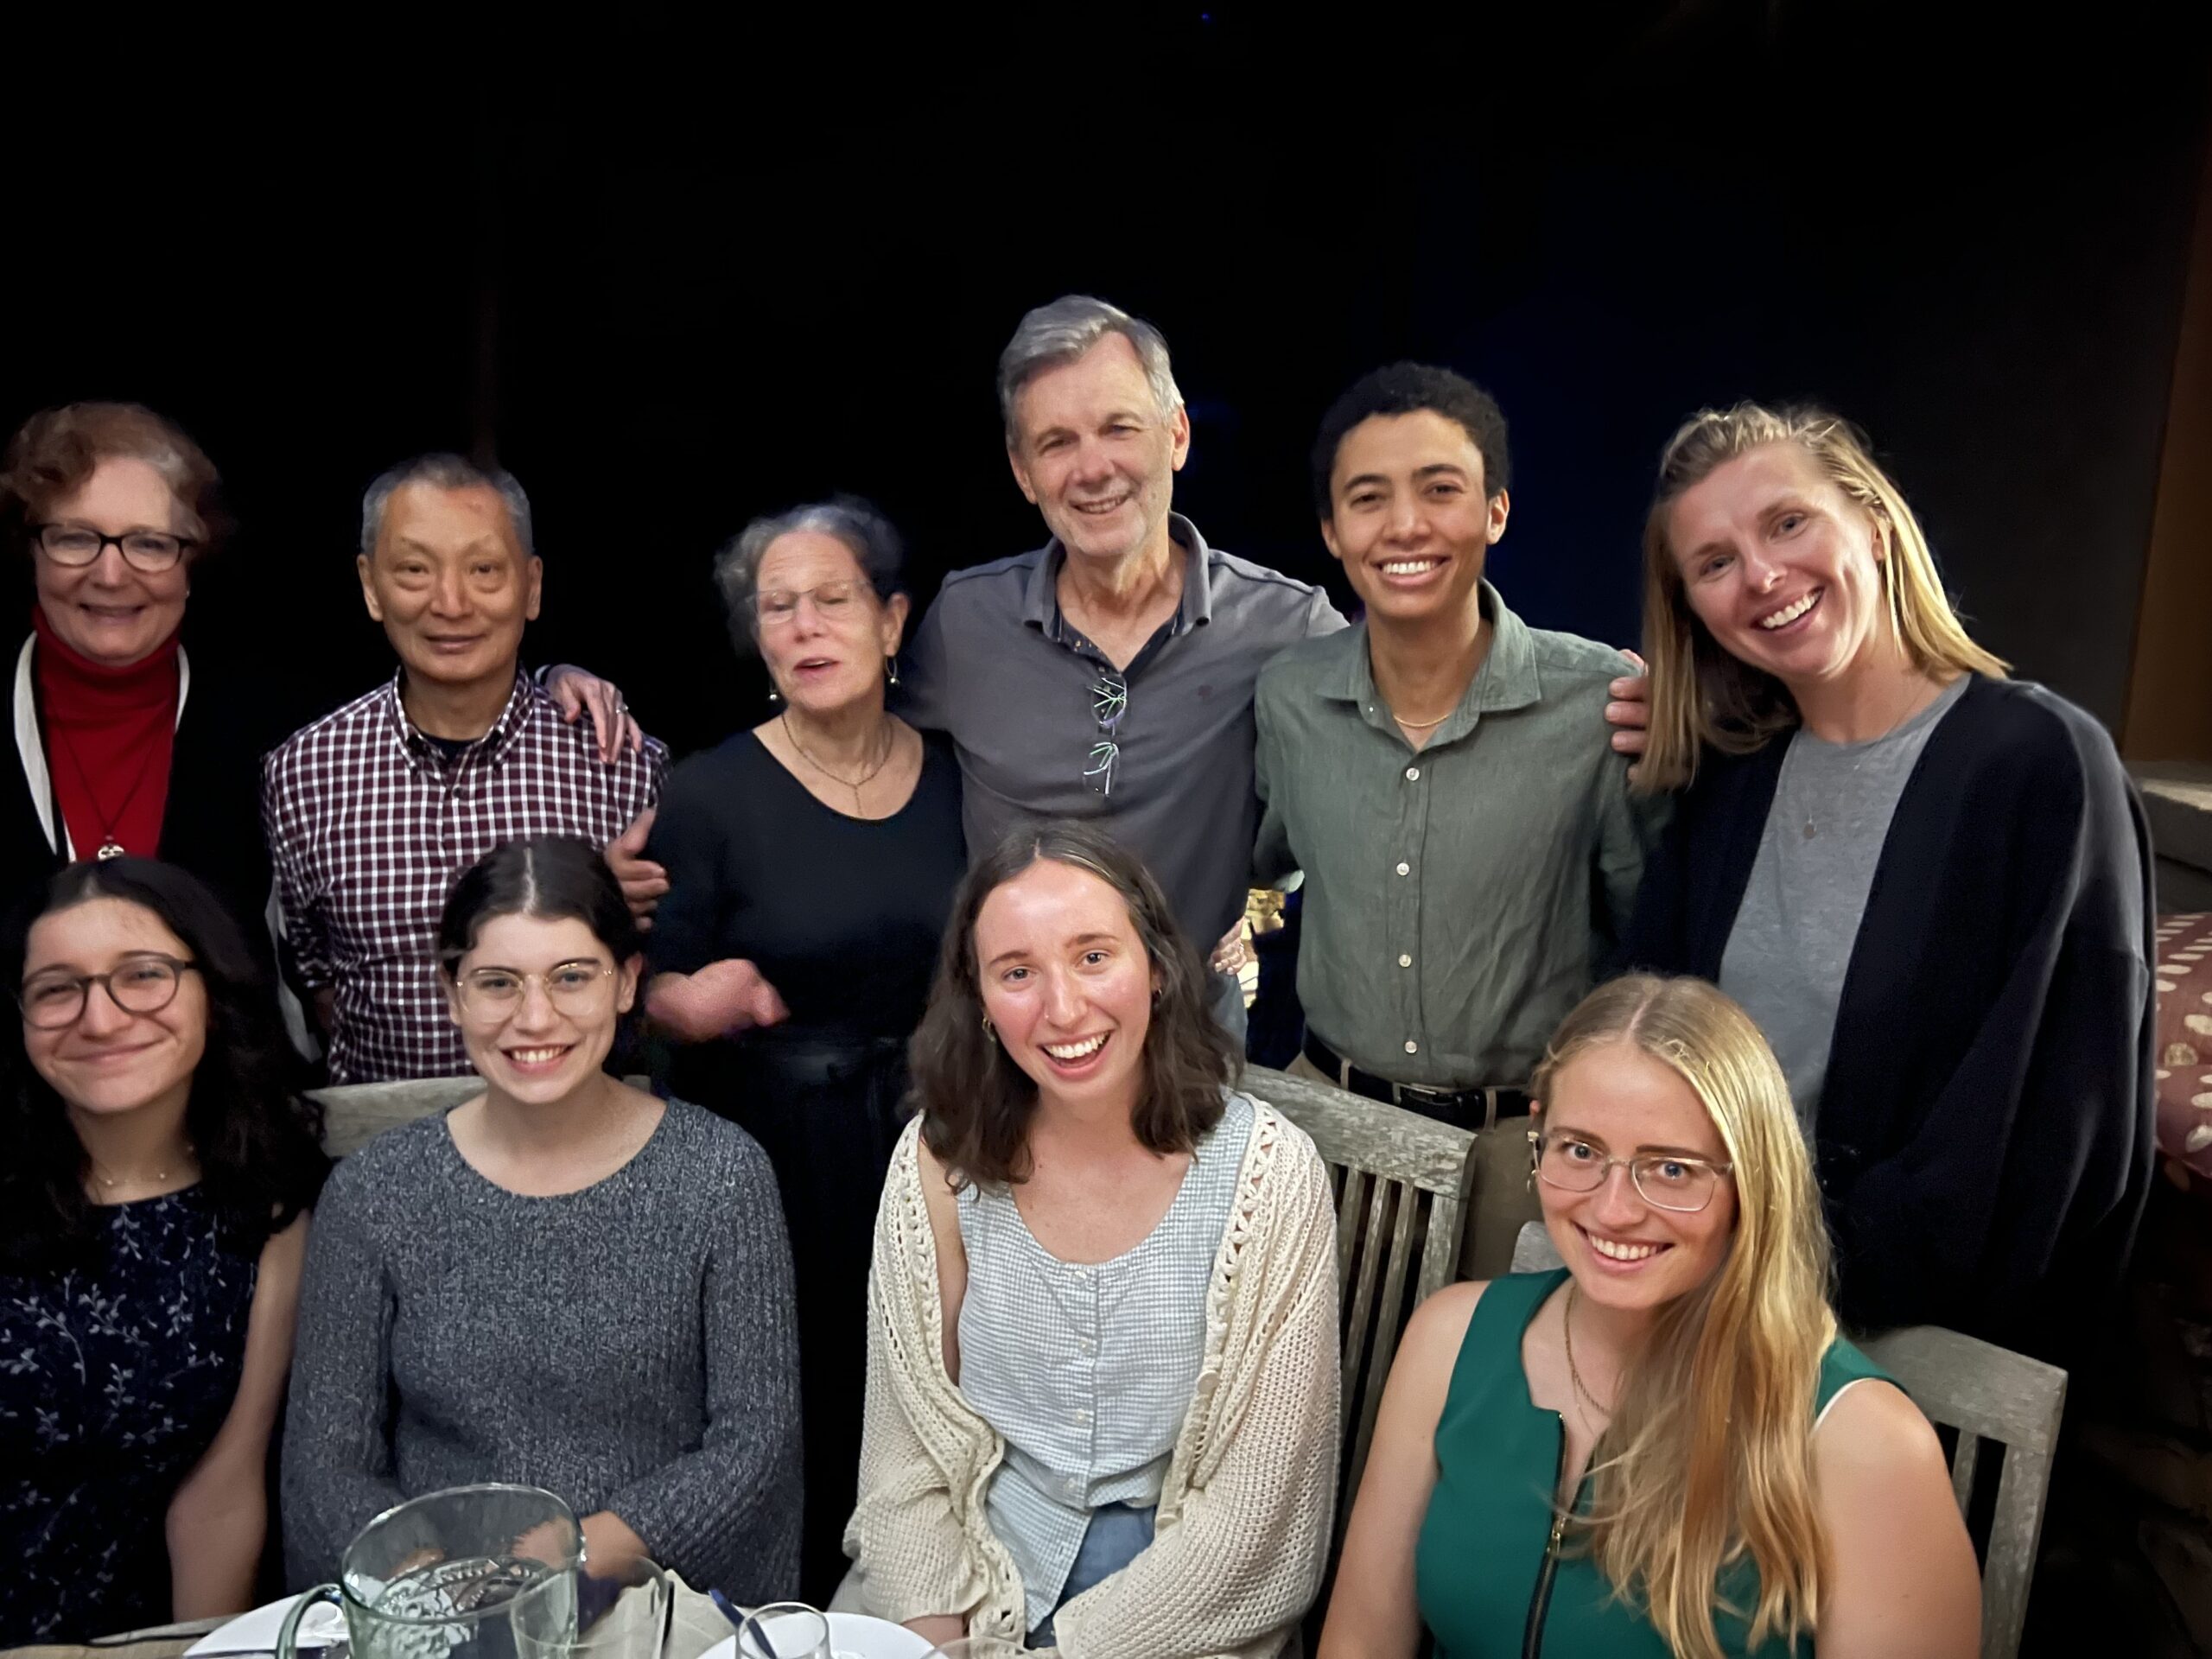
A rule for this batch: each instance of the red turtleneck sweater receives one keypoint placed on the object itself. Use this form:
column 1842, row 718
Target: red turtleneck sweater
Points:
column 110, row 734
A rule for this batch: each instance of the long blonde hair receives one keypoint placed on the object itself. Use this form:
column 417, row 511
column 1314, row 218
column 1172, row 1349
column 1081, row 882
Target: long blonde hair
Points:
column 1709, row 1452
column 1701, row 694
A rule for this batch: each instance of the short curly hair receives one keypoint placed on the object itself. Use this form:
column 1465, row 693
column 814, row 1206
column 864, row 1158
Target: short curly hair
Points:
column 1402, row 389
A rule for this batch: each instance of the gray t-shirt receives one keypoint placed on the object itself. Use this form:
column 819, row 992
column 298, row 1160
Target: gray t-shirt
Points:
column 1799, row 923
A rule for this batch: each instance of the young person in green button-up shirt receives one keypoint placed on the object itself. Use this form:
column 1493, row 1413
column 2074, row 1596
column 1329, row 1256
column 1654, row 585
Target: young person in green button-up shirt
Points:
column 1441, row 774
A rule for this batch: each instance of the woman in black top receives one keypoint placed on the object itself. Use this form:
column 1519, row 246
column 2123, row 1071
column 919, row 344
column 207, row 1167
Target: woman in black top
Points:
column 152, row 1217
column 1964, row 932
column 811, row 862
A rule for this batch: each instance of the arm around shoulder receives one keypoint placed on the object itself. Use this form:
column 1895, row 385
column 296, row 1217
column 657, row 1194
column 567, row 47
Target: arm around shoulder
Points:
column 1902, row 1581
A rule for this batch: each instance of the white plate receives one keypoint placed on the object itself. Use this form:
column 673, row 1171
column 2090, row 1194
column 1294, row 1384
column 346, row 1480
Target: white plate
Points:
column 256, row 1632
column 854, row 1636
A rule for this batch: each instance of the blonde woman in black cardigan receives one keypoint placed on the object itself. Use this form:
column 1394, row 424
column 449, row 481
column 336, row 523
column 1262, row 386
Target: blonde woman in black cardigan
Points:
column 1928, row 883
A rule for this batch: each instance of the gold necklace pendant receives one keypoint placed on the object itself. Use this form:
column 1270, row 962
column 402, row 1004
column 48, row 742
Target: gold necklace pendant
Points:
column 889, row 743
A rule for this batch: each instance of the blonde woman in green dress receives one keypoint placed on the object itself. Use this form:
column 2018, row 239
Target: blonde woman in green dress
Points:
column 1663, row 1448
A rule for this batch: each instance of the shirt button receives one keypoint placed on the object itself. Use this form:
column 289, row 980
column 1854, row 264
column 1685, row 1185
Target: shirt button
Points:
column 1404, row 961
column 1083, row 1420
column 1412, row 774
column 1087, row 1347
column 1405, row 868
column 1412, row 1047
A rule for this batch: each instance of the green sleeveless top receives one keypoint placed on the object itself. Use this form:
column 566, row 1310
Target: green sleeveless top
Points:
column 1481, row 1568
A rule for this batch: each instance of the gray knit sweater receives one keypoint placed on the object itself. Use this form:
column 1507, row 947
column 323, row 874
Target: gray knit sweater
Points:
column 630, row 1347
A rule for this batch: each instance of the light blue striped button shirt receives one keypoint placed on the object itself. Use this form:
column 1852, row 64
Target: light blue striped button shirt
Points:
column 1086, row 1371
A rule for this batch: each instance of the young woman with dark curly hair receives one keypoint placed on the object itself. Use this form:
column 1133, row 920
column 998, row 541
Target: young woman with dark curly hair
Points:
column 152, row 1224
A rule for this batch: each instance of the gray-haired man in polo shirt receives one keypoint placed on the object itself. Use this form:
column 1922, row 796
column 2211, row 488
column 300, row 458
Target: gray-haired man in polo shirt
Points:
column 1108, row 675
column 1441, row 773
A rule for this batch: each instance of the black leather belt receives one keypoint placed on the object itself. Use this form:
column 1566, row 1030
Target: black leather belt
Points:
column 1467, row 1108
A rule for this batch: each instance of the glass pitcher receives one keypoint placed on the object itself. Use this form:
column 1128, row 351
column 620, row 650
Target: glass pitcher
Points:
column 446, row 1576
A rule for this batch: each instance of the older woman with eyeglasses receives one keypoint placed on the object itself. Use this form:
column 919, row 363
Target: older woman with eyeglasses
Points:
column 123, row 746
column 812, row 863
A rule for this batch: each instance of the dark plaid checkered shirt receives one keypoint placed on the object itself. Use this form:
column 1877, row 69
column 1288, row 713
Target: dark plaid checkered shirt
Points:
column 369, row 824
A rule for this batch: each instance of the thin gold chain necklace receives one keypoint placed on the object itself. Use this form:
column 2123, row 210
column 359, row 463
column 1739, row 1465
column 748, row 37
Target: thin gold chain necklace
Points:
column 108, row 1183
column 1422, row 725
column 1566, row 1329
column 865, row 779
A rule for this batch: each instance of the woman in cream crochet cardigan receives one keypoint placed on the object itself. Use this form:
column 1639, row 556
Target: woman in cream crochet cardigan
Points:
column 1102, row 1388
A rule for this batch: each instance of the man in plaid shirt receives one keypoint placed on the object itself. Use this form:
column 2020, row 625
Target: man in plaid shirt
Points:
column 371, row 812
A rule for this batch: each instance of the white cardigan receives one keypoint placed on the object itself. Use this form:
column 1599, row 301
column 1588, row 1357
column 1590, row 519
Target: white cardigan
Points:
column 1242, row 1534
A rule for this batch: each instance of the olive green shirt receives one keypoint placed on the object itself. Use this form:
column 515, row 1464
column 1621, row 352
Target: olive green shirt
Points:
column 1459, row 898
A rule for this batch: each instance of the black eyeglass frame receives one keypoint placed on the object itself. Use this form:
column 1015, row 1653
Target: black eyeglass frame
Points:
column 184, row 545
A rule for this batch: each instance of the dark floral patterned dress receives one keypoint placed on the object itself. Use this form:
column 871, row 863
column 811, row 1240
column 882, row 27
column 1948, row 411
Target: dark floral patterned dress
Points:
column 114, row 1377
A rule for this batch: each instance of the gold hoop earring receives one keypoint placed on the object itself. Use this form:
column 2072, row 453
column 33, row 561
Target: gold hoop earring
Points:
column 988, row 1031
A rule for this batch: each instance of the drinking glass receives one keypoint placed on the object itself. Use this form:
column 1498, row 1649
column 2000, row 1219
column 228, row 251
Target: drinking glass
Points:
column 622, row 1613
column 449, row 1574
column 783, row 1629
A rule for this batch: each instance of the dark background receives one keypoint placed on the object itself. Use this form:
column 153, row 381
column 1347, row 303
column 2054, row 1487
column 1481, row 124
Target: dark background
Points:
column 678, row 271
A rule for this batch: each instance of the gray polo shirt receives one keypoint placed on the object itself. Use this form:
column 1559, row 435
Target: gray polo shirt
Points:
column 996, row 665
column 1457, row 898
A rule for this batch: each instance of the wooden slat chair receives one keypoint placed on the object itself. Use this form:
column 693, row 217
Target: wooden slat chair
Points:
column 1401, row 1182
column 1985, row 1393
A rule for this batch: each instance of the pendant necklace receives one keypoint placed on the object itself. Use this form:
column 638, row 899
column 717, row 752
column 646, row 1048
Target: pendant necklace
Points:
column 1914, row 706
column 1812, row 829
column 109, row 846
column 853, row 784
